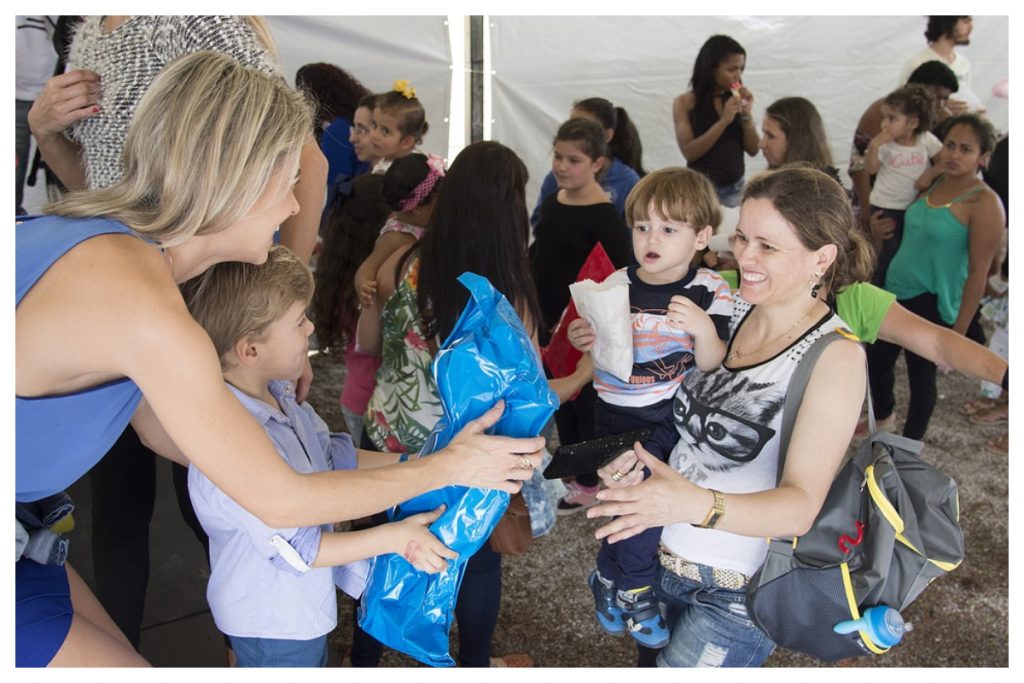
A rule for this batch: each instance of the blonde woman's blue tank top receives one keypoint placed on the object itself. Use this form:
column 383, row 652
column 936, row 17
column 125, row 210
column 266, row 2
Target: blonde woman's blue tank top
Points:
column 59, row 438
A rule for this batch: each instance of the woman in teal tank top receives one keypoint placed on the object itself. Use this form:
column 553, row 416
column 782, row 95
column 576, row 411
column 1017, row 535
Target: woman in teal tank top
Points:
column 951, row 235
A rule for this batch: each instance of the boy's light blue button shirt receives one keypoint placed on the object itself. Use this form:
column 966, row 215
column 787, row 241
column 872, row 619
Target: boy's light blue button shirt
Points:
column 253, row 592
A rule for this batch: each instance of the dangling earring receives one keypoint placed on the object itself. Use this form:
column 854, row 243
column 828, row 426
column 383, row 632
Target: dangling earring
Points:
column 816, row 284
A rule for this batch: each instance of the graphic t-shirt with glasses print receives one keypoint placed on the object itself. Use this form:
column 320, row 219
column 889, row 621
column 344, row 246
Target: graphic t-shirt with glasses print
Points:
column 729, row 422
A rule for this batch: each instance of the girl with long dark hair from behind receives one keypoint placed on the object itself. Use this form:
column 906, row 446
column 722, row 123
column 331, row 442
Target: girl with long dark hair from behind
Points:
column 479, row 224
column 357, row 211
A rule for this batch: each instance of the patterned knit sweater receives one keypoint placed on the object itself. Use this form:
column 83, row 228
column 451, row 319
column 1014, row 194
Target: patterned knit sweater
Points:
column 127, row 60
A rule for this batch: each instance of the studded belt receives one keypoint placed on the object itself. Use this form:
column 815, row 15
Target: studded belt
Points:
column 722, row 578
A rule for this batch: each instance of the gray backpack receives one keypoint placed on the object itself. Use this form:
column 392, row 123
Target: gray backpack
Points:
column 889, row 526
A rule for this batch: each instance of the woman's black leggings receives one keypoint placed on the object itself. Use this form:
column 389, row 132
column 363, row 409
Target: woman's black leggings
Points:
column 123, row 487
column 920, row 371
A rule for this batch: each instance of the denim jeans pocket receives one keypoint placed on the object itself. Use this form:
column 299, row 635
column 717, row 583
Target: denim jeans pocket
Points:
column 731, row 604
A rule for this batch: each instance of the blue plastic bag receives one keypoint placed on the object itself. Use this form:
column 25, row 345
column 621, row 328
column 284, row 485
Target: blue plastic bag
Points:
column 487, row 357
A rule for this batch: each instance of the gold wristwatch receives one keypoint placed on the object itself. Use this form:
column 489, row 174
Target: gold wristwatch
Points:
column 716, row 512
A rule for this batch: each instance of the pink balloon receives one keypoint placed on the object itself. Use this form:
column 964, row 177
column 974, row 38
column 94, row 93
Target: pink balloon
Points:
column 1002, row 89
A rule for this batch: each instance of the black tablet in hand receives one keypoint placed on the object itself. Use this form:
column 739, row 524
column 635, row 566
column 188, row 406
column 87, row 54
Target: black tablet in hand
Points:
column 590, row 456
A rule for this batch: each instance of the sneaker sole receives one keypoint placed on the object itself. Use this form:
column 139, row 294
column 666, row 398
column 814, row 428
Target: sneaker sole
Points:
column 645, row 639
column 653, row 646
column 610, row 630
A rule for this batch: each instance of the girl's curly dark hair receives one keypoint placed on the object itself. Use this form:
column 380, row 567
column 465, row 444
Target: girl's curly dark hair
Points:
column 335, row 91
column 913, row 100
column 350, row 229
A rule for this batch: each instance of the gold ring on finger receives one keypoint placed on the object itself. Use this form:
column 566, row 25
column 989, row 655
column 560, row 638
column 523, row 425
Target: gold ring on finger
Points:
column 617, row 475
column 524, row 463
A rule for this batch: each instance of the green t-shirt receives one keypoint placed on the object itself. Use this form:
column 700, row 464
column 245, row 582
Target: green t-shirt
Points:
column 862, row 306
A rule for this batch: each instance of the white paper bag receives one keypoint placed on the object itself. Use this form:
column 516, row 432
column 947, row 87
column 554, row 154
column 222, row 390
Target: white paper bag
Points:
column 606, row 307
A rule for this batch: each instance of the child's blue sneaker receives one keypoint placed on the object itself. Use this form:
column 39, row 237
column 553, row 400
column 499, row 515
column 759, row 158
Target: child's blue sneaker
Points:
column 608, row 613
column 642, row 616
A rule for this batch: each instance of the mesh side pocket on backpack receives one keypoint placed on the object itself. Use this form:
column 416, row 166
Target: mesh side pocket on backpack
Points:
column 798, row 609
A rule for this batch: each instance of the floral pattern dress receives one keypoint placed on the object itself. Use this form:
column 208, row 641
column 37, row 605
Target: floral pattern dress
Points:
column 405, row 404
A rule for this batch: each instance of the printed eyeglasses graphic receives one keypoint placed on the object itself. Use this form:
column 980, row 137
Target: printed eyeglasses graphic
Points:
column 731, row 436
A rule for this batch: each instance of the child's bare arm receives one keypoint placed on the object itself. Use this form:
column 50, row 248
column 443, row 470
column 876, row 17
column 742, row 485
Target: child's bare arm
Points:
column 410, row 538
column 369, row 335
column 925, row 180
column 871, row 162
column 566, row 387
column 366, row 274
column 368, row 331
column 708, row 348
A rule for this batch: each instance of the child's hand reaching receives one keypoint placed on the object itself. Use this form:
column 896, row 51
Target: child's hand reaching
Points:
column 421, row 548
column 367, row 292
column 366, row 283
column 684, row 315
column 581, row 335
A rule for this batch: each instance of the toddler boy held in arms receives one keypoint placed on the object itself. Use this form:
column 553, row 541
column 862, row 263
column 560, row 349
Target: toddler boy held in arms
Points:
column 680, row 318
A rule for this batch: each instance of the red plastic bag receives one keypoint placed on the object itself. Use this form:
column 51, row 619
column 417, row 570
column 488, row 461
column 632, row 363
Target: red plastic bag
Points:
column 559, row 356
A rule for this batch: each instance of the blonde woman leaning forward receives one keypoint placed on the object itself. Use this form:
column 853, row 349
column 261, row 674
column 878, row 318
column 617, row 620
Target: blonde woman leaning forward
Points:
column 717, row 497
column 103, row 337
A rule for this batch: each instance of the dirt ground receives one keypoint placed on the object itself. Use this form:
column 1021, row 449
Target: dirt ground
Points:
column 961, row 620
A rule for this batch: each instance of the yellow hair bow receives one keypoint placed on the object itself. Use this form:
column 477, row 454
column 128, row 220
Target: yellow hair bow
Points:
column 407, row 90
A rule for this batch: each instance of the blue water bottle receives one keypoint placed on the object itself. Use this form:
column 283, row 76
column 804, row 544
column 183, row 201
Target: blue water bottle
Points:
column 883, row 624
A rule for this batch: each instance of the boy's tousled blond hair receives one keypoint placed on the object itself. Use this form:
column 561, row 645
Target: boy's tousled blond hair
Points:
column 234, row 300
column 676, row 194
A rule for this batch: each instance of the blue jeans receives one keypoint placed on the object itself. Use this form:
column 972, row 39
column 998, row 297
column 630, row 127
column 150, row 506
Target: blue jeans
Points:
column 274, row 652
column 710, row 626
column 730, row 195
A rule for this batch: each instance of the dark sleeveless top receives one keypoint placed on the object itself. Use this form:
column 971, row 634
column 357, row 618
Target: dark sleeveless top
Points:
column 723, row 163
column 565, row 236
column 59, row 438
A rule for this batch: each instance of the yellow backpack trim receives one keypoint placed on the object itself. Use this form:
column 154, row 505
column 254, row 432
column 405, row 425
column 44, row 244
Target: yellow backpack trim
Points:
column 887, row 509
column 851, row 601
column 894, row 519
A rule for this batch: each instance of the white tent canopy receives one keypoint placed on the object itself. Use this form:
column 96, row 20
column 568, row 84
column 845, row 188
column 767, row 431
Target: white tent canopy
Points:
column 537, row 66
